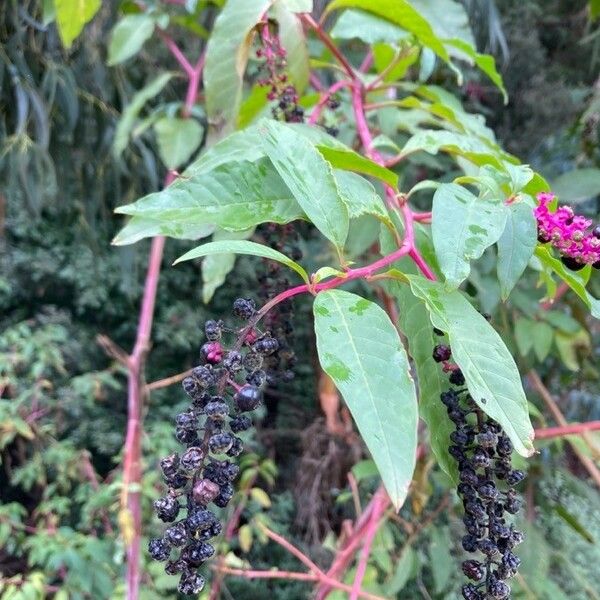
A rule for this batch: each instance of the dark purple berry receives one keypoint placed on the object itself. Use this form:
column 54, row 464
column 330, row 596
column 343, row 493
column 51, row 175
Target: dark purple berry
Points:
column 244, row 308
column 225, row 495
column 190, row 386
column 190, row 583
column 240, row 423
column 169, row 464
column 205, row 491
column 480, row 459
column 469, row 476
column 572, row 263
column 596, row 232
column 204, row 376
column 220, row 443
column 457, row 377
column 159, row 549
column 470, row 592
column 487, row 547
column 504, row 447
column 196, row 553
column 233, row 361
column 257, row 379
column 469, row 543
column 473, row 569
column 174, row 566
column 216, row 410
column 266, row 346
column 185, row 436
column 166, row 508
column 253, row 361
column 449, row 398
column 213, row 330
column 201, row 520
column 441, row 353
column 236, row 448
column 192, row 458
column 488, row 491
column 176, row 481
column 248, row 398
column 186, row 420
column 487, row 439
column 515, row 477
column 176, row 535
column 510, row 562
column 498, row 590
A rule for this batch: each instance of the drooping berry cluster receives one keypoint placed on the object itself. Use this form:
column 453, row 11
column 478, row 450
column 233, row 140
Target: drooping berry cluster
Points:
column 487, row 479
column 223, row 389
column 568, row 233
column 281, row 90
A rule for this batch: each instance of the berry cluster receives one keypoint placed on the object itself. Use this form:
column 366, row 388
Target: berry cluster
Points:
column 483, row 453
column 287, row 108
column 223, row 389
column 568, row 233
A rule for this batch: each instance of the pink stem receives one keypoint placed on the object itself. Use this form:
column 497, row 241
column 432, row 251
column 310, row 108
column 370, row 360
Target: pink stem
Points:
column 177, row 53
column 330, row 45
column 316, row 113
column 132, row 468
column 574, row 429
column 367, row 62
column 379, row 506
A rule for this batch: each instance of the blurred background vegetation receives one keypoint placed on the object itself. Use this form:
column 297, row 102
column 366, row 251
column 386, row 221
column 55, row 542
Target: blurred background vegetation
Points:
column 62, row 284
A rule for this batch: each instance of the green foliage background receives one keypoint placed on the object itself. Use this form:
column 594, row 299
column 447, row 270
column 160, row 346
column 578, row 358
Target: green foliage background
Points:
column 63, row 400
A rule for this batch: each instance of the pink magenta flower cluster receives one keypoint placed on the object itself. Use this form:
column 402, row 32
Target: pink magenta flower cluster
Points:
column 568, row 233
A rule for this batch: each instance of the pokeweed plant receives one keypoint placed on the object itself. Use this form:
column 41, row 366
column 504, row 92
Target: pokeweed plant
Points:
column 330, row 131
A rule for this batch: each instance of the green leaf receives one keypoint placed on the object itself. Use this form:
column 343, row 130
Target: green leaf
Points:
column 485, row 62
column 371, row 29
column 72, row 15
column 577, row 185
column 576, row 280
column 234, row 196
column 243, row 247
column 560, row 320
column 226, row 58
column 448, row 19
column 475, row 149
column 359, row 348
column 261, row 497
column 298, row 5
column 441, row 560
column 401, row 13
column 177, row 140
column 309, row 178
column 128, row 36
column 406, row 568
column 132, row 110
column 515, row 246
column 245, row 536
column 570, row 346
column 415, row 324
column 344, row 158
column 463, row 226
column 139, row 228
column 492, row 376
column 293, row 40
column 543, row 335
column 574, row 523
column 216, row 267
column 524, row 333
column 359, row 195
column 594, row 9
